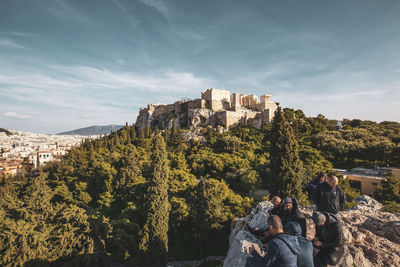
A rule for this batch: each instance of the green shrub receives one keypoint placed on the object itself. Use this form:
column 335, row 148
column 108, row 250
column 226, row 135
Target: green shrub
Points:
column 392, row 207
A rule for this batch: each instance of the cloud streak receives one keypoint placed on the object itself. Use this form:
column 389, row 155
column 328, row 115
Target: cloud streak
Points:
column 10, row 43
column 86, row 88
column 17, row 116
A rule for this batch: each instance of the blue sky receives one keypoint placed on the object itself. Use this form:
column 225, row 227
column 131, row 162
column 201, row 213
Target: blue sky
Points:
column 71, row 64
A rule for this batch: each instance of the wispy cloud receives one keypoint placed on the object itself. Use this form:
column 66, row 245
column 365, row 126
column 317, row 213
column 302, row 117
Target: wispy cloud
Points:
column 159, row 5
column 86, row 88
column 10, row 43
column 14, row 115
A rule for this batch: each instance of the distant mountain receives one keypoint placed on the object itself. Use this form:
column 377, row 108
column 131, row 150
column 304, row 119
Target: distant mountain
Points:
column 7, row 132
column 93, row 130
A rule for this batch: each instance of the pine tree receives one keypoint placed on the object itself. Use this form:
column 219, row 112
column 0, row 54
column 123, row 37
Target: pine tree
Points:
column 285, row 174
column 154, row 242
column 388, row 190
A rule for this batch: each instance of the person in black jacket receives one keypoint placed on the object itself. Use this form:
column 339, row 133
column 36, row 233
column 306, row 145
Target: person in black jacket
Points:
column 291, row 213
column 282, row 248
column 305, row 258
column 329, row 197
column 278, row 206
column 329, row 240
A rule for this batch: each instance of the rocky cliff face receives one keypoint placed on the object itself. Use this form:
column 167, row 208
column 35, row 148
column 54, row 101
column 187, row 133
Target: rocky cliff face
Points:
column 372, row 236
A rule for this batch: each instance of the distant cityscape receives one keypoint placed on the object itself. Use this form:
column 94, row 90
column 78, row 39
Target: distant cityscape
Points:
column 21, row 151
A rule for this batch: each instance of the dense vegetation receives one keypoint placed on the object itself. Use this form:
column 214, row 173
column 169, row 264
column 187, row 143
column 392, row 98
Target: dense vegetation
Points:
column 98, row 204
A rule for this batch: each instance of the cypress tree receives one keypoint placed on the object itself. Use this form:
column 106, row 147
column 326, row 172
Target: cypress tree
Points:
column 176, row 140
column 91, row 153
column 209, row 212
column 133, row 132
column 286, row 168
column 142, row 134
column 165, row 134
column 154, row 241
column 148, row 131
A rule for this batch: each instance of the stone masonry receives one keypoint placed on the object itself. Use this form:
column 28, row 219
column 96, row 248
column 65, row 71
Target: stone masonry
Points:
column 215, row 108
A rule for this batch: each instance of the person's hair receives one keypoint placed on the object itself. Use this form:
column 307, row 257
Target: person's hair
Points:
column 332, row 177
column 322, row 175
column 318, row 218
column 275, row 222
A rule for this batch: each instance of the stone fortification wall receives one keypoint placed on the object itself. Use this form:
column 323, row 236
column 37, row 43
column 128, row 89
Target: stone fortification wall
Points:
column 197, row 103
column 215, row 108
column 242, row 117
column 216, row 99
column 250, row 101
column 268, row 108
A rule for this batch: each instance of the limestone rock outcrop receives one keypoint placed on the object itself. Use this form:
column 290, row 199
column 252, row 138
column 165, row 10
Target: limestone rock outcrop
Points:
column 372, row 236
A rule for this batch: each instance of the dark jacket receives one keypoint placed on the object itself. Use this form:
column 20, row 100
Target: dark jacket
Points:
column 278, row 210
column 305, row 258
column 295, row 216
column 282, row 252
column 331, row 236
column 331, row 233
column 329, row 199
column 313, row 184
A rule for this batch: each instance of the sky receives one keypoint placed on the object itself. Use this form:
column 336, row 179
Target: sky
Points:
column 67, row 64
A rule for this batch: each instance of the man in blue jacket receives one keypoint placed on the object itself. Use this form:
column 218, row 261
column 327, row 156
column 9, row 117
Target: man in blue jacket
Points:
column 305, row 258
column 311, row 186
column 282, row 248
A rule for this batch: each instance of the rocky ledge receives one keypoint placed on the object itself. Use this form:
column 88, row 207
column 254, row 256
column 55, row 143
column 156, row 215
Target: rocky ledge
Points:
column 372, row 236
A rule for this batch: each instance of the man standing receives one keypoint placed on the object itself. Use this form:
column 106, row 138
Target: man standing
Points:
column 329, row 241
column 282, row 249
column 329, row 197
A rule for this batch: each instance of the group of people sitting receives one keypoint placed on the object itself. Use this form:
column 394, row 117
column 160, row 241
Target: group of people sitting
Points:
column 285, row 241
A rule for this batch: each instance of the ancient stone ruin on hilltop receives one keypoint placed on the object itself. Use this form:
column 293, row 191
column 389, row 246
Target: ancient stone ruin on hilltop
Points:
column 215, row 108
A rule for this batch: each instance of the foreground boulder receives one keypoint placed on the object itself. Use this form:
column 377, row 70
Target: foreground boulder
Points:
column 372, row 236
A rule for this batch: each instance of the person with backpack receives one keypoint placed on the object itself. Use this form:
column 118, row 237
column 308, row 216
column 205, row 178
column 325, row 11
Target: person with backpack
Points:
column 305, row 257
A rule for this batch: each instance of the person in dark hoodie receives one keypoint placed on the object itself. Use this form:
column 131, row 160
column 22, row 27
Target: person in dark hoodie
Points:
column 321, row 177
column 291, row 213
column 305, row 258
column 329, row 197
column 282, row 248
column 329, row 240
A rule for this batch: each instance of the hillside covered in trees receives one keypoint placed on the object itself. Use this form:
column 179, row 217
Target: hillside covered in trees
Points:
column 151, row 196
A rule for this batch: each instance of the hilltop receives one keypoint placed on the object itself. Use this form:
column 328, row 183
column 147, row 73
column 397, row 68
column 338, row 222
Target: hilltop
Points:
column 100, row 189
column 93, row 130
column 7, row 132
